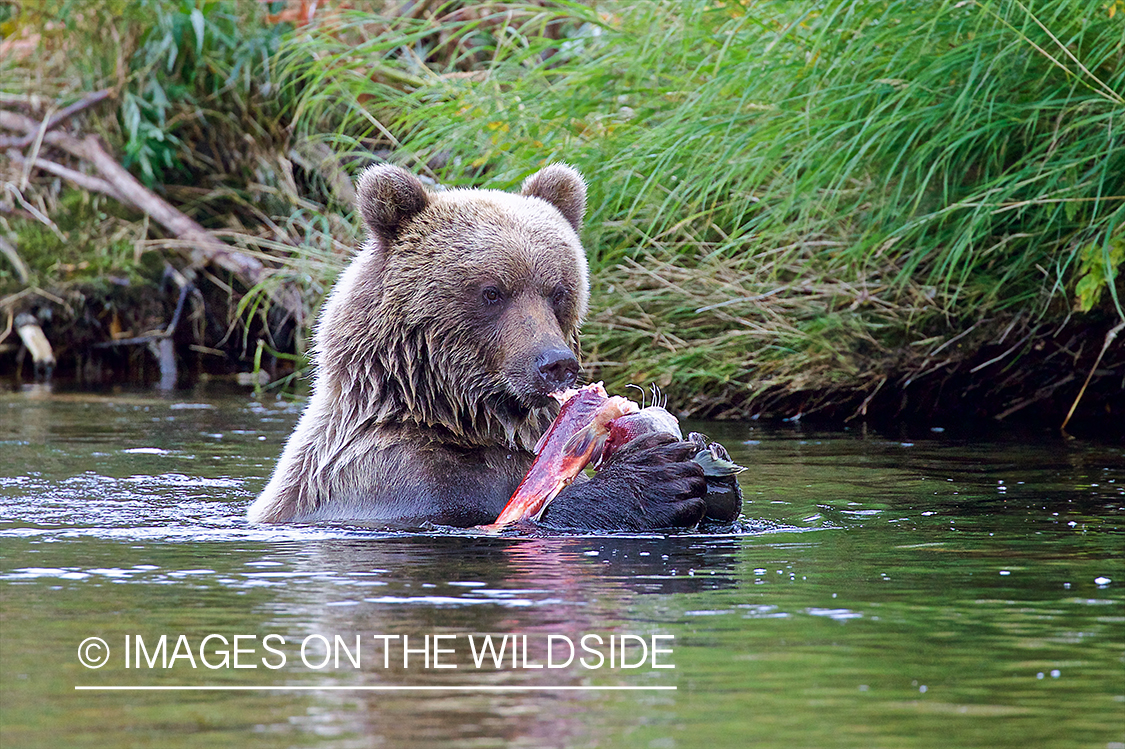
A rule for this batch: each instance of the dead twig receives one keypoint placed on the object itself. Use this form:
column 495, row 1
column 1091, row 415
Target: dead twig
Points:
column 35, row 213
column 862, row 410
column 1109, row 339
column 993, row 360
column 85, row 181
column 204, row 248
column 9, row 301
column 9, row 251
column 8, row 328
column 36, row 144
column 168, row 331
column 954, row 339
column 1041, row 394
column 57, row 119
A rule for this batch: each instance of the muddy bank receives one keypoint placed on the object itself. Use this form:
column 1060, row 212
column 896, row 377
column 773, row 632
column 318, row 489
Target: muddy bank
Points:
column 167, row 334
column 1053, row 372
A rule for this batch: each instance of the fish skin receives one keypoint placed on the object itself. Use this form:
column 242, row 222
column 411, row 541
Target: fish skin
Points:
column 564, row 450
column 601, row 425
column 715, row 465
column 712, row 457
column 627, row 428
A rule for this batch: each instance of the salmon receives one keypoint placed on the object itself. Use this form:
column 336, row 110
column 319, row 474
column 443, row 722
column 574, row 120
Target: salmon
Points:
column 628, row 427
column 590, row 428
column 723, row 497
column 575, row 439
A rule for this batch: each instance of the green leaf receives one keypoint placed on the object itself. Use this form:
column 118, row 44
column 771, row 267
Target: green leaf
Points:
column 1089, row 290
column 197, row 23
column 1070, row 208
column 1098, row 265
column 130, row 115
column 169, row 44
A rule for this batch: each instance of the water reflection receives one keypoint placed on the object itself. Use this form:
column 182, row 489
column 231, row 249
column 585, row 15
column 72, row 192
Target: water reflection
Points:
column 931, row 590
column 411, row 588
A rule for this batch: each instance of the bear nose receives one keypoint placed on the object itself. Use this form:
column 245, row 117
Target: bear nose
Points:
column 558, row 369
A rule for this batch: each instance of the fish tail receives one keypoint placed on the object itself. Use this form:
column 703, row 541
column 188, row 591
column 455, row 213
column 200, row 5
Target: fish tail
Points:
column 714, row 465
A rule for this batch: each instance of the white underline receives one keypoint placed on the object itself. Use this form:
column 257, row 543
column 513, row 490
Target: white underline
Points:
column 387, row 688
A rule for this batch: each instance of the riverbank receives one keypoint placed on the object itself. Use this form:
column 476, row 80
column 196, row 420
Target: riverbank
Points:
column 911, row 212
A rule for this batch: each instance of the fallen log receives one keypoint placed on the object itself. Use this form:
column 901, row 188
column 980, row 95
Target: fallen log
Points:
column 116, row 182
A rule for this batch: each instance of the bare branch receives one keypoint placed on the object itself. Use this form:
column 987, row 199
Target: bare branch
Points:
column 81, row 179
column 204, row 247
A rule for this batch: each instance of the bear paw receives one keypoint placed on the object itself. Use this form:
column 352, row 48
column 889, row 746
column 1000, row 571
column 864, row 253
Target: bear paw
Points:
column 649, row 484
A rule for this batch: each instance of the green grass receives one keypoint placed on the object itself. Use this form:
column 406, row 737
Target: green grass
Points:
column 780, row 197
column 783, row 198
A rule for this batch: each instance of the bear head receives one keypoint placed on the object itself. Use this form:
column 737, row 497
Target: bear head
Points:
column 462, row 311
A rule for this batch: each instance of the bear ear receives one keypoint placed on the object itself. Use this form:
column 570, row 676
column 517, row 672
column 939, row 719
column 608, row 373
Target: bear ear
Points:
column 387, row 196
column 561, row 186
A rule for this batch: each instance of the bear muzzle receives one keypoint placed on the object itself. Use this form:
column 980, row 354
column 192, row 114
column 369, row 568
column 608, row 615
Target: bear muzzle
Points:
column 556, row 369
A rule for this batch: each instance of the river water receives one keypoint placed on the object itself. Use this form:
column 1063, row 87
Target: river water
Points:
column 930, row 588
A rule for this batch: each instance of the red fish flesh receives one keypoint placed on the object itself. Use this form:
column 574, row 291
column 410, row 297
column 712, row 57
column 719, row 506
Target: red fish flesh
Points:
column 576, row 437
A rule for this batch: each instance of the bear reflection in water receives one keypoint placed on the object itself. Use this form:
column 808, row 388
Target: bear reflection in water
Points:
column 414, row 585
column 436, row 355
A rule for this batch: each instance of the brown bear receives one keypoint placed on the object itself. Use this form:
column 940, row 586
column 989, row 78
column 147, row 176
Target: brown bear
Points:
column 435, row 357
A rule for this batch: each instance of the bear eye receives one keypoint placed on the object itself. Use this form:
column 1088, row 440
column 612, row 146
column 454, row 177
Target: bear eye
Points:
column 491, row 295
column 559, row 296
